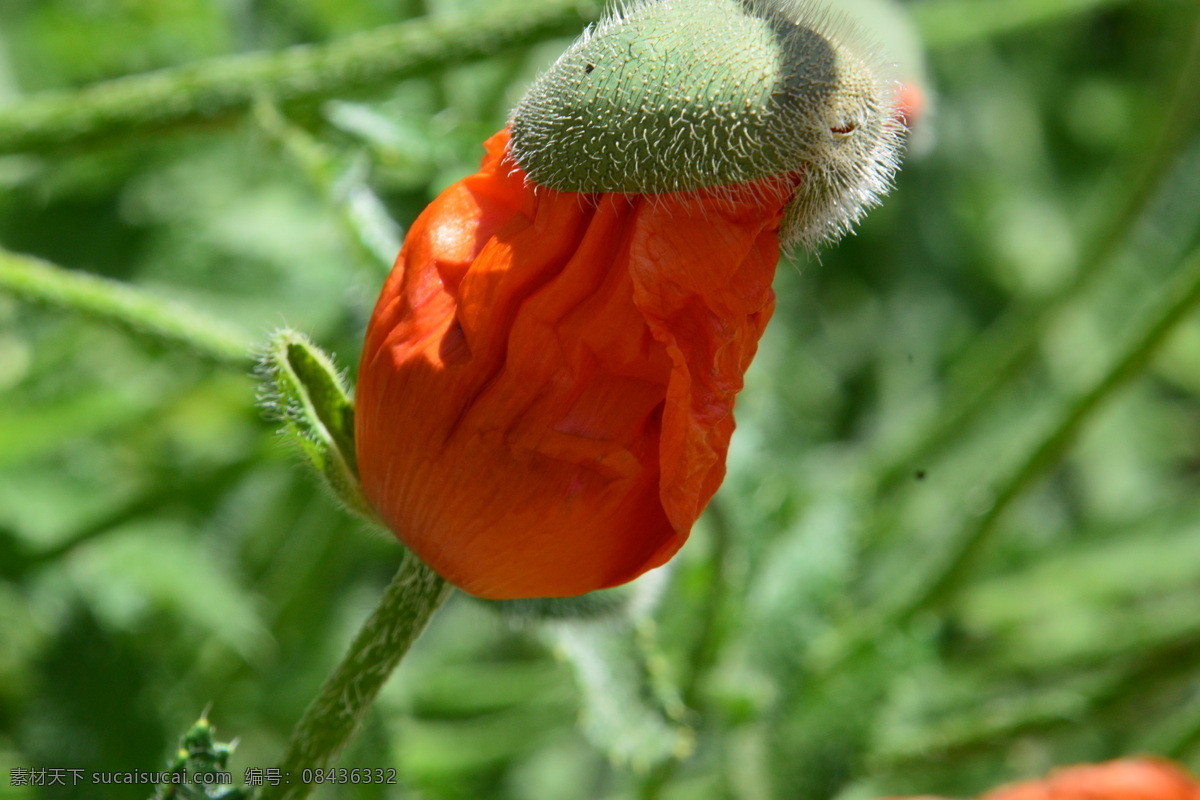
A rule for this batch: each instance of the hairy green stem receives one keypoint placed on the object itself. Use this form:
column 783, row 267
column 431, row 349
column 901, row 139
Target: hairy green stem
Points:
column 335, row 714
column 38, row 281
column 221, row 88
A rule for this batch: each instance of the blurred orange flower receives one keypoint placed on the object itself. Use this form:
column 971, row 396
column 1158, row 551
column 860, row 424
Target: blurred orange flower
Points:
column 1130, row 779
column 546, row 389
column 1127, row 779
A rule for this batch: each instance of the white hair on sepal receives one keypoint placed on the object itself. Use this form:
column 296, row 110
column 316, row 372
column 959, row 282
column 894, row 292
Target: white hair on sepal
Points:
column 841, row 183
column 838, row 190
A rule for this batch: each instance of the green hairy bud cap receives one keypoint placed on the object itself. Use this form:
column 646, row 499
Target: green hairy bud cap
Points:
column 678, row 95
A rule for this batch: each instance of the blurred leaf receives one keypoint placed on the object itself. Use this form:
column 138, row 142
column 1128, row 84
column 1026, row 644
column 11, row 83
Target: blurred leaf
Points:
column 624, row 711
column 131, row 577
column 465, row 691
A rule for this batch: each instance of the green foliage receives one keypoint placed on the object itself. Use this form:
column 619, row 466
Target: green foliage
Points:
column 957, row 541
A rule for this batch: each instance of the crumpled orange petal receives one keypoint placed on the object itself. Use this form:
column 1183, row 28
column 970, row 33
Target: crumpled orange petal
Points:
column 546, row 389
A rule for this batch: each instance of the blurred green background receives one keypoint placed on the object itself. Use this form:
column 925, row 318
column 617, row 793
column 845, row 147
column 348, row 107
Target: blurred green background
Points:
column 959, row 542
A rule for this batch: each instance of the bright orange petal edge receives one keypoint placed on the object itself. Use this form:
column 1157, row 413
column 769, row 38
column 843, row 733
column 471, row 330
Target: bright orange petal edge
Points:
column 546, row 388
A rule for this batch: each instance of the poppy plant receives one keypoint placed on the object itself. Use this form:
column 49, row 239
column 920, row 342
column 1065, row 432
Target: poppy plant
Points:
column 546, row 391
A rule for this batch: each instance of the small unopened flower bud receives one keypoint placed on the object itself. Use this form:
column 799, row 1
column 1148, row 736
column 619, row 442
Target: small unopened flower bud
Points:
column 301, row 388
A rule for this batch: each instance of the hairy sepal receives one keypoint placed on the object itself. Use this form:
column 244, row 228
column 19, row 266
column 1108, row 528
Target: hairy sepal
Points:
column 301, row 387
column 677, row 95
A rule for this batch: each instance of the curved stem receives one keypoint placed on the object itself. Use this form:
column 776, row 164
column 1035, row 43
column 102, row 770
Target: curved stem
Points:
column 218, row 89
column 335, row 714
column 1132, row 677
column 38, row 281
column 939, row 584
column 1011, row 343
column 706, row 646
column 1178, row 298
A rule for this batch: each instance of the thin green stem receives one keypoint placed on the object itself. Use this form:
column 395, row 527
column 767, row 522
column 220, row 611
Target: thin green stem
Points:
column 222, row 88
column 219, row 89
column 1178, row 299
column 1132, row 677
column 368, row 228
column 1012, row 342
column 38, row 281
column 336, row 713
column 707, row 645
column 941, row 583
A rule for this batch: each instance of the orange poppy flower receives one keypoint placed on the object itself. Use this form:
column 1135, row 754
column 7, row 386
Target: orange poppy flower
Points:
column 1126, row 779
column 546, row 389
